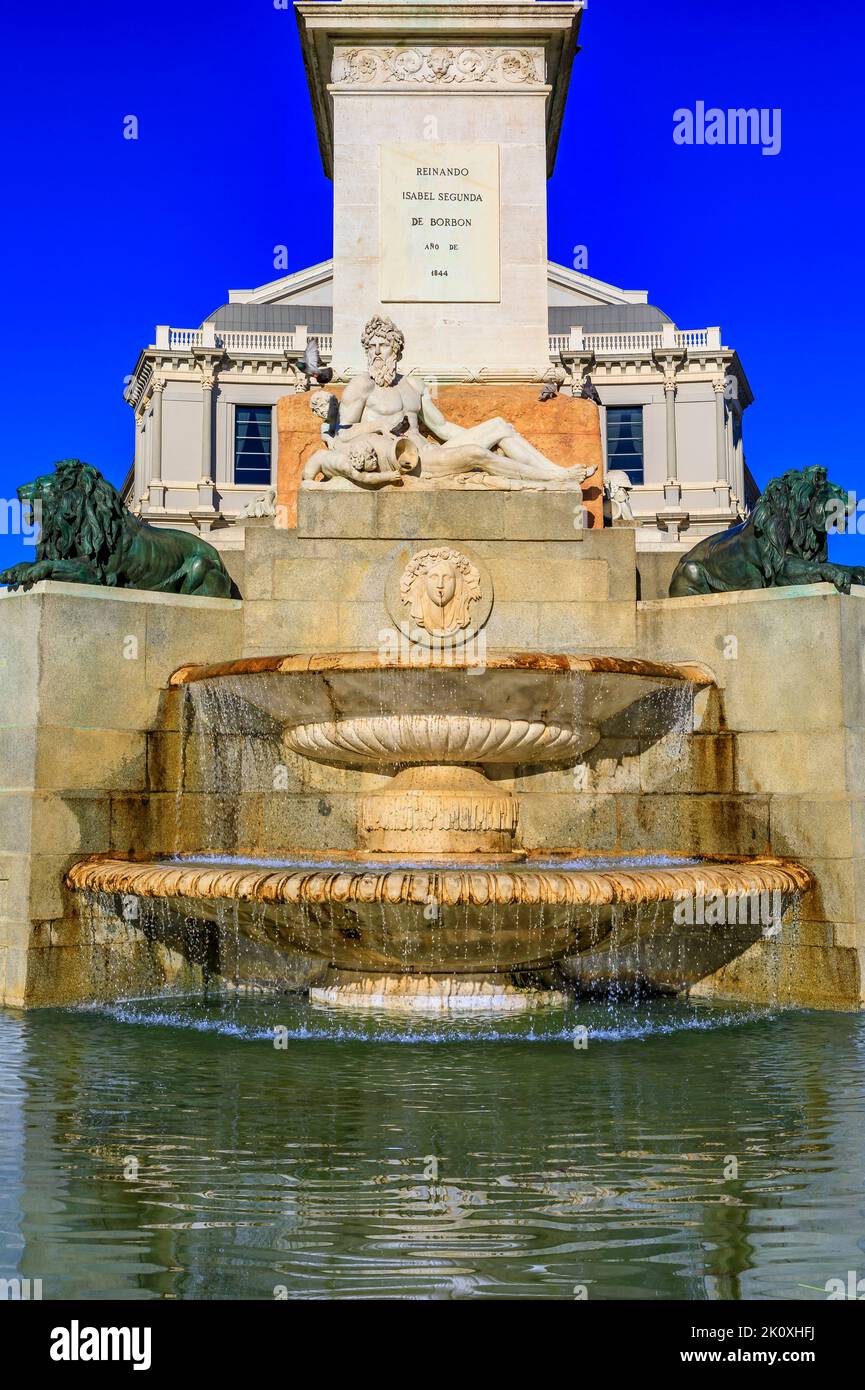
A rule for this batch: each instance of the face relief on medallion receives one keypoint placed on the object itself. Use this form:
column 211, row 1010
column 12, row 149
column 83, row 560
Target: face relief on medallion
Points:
column 439, row 587
column 439, row 223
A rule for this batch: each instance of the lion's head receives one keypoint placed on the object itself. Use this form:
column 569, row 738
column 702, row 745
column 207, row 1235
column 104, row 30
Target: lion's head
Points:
column 81, row 514
column 793, row 515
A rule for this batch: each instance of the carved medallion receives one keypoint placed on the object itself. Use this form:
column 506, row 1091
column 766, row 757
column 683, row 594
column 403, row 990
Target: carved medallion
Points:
column 440, row 595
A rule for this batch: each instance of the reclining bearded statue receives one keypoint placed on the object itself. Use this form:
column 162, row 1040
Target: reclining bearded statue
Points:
column 388, row 431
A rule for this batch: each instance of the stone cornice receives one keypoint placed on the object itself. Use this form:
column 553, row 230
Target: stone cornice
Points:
column 322, row 273
column 622, row 367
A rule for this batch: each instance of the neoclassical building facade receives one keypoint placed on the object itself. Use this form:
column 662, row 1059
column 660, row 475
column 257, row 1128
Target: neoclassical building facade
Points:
column 672, row 404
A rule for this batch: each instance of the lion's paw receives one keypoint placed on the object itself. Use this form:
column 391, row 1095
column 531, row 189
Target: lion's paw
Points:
column 16, row 576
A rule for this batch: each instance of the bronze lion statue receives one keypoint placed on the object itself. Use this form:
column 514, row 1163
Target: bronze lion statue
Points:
column 88, row 536
column 782, row 542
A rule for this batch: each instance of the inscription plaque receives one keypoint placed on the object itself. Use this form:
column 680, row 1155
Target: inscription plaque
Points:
column 439, row 220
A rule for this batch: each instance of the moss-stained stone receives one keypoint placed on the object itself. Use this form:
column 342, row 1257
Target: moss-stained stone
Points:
column 583, row 822
column 781, row 972
column 82, row 683
column 694, row 763
column 89, row 759
column 693, row 824
column 770, row 760
column 309, row 822
column 817, row 823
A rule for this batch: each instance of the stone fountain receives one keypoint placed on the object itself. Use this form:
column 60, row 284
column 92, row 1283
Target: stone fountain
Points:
column 438, row 907
column 449, row 742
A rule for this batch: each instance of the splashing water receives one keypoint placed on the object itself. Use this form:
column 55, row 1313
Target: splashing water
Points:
column 609, row 1021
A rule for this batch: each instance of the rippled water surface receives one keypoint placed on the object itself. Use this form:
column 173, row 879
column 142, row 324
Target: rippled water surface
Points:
column 170, row 1149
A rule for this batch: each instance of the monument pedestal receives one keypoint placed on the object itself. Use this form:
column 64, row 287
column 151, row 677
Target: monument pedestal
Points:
column 432, row 119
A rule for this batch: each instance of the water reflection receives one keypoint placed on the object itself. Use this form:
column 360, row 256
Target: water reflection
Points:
column 168, row 1149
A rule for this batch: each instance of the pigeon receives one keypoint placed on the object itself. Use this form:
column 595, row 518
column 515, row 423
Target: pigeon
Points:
column 311, row 366
column 548, row 391
column 588, row 391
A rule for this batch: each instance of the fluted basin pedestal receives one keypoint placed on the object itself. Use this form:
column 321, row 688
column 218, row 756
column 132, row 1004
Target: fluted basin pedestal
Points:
column 438, row 810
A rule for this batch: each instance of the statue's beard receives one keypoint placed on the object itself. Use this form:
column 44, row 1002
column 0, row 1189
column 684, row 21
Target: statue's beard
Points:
column 383, row 369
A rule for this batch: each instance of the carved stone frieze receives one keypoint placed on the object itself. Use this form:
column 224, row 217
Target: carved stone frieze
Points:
column 428, row 65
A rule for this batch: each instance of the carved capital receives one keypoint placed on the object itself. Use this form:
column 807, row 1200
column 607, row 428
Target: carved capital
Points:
column 669, row 362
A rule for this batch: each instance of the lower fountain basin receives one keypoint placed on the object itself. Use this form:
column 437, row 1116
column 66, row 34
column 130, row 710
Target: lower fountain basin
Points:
column 485, row 918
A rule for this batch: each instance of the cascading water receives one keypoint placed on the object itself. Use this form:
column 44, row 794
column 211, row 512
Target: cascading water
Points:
column 438, row 907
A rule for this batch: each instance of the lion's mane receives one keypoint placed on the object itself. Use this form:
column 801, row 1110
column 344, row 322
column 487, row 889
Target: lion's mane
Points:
column 82, row 518
column 784, row 520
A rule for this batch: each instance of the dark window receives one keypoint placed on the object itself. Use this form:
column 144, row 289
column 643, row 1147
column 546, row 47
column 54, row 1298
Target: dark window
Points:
column 625, row 440
column 252, row 427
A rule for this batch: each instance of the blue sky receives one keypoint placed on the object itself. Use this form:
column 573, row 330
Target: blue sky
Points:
column 101, row 237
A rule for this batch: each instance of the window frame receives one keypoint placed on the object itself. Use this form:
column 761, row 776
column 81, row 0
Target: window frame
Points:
column 240, row 481
column 637, row 474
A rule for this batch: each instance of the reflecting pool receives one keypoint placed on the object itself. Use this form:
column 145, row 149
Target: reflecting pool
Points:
column 249, row 1148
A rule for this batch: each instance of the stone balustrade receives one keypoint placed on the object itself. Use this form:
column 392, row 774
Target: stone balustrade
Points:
column 239, row 340
column 633, row 341
column 257, row 340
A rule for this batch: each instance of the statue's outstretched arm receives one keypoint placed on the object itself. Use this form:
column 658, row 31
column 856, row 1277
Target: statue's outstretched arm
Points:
column 433, row 419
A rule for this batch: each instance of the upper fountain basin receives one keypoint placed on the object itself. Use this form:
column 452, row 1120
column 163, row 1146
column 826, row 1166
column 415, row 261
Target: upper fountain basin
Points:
column 513, row 707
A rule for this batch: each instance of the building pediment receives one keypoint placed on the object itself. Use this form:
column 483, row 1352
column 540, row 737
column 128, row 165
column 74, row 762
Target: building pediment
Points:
column 566, row 287
column 573, row 287
column 287, row 287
